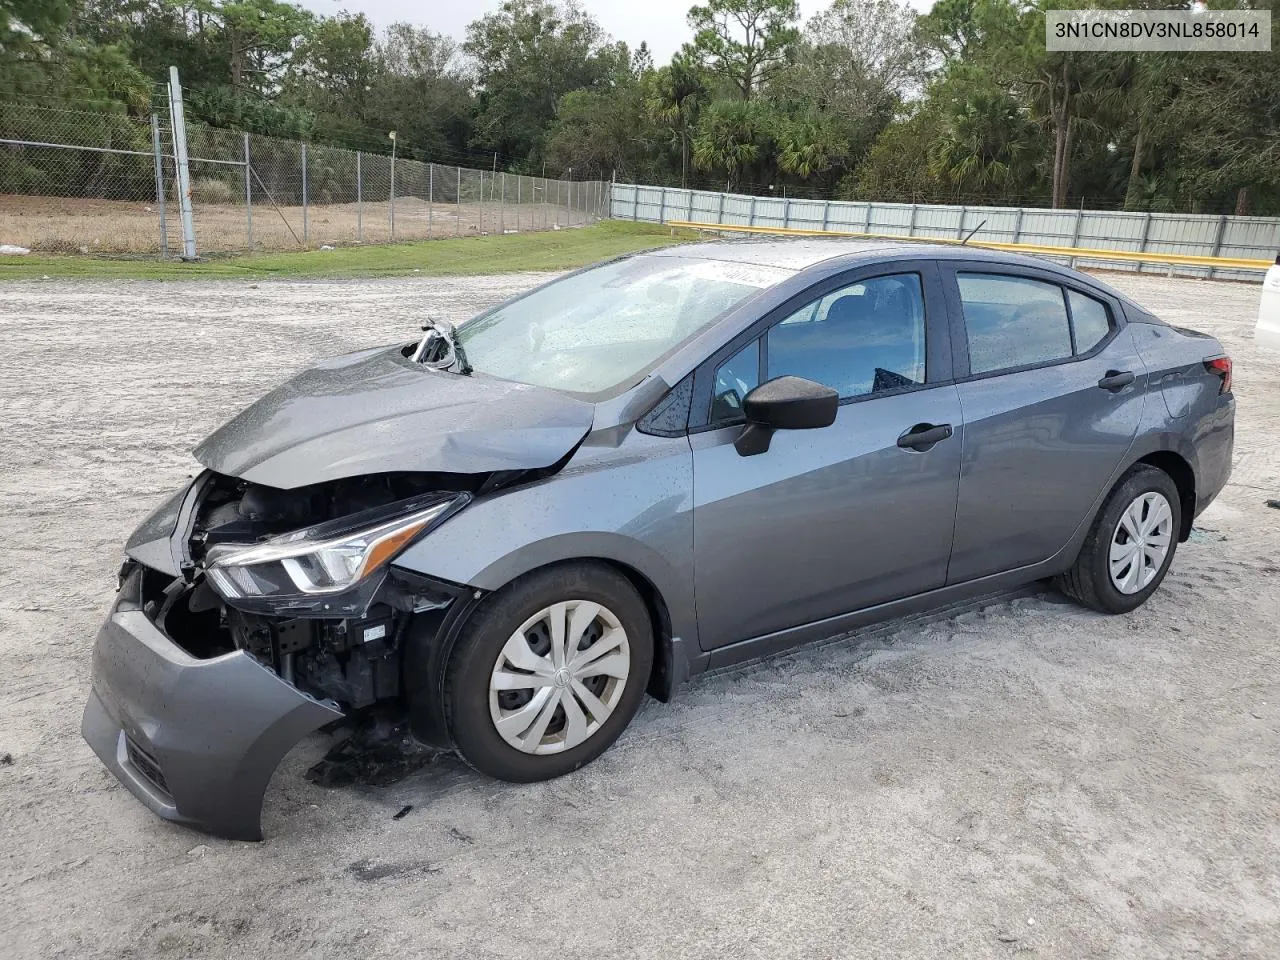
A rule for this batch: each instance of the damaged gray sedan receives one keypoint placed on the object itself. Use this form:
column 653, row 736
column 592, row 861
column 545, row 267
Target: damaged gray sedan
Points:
column 497, row 534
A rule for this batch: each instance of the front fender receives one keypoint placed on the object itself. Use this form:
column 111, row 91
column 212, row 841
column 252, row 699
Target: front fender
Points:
column 630, row 504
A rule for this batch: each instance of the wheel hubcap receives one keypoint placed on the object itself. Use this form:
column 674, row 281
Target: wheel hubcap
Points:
column 559, row 677
column 1141, row 542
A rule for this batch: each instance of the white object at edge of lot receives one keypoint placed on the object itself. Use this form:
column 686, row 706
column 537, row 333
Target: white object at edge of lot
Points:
column 8, row 249
column 1267, row 333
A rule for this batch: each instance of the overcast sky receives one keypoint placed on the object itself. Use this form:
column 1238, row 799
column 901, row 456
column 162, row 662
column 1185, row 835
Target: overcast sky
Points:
column 660, row 22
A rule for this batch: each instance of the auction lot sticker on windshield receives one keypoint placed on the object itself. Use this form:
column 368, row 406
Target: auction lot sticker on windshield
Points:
column 1196, row 30
column 747, row 274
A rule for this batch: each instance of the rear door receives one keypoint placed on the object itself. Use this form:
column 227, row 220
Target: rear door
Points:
column 832, row 520
column 1052, row 390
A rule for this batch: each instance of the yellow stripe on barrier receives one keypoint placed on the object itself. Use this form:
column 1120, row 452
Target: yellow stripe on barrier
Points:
column 1082, row 253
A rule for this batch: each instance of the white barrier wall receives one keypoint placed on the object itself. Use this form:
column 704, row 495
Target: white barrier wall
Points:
column 1253, row 238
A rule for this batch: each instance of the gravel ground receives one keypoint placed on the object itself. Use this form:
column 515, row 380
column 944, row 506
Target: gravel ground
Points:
column 1024, row 777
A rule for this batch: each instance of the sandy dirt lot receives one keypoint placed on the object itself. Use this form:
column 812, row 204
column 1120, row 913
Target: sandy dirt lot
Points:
column 1021, row 778
column 62, row 225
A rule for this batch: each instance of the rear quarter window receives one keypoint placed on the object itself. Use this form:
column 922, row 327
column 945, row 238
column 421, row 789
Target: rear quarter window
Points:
column 1091, row 320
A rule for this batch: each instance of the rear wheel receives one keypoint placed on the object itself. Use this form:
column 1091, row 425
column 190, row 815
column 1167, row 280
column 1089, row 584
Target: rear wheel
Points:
column 1128, row 551
column 548, row 672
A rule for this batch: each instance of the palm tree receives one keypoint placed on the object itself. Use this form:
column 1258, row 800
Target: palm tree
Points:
column 674, row 98
column 986, row 145
column 810, row 146
column 729, row 138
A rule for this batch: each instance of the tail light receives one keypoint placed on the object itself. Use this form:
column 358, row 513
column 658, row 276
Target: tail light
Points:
column 1222, row 367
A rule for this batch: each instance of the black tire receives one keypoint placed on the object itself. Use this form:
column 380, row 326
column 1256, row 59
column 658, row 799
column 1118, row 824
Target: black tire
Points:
column 482, row 639
column 1088, row 582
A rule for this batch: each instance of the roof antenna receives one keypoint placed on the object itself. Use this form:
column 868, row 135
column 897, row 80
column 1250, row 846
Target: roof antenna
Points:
column 972, row 232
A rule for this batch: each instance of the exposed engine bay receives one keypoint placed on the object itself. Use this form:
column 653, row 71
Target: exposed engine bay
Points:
column 354, row 659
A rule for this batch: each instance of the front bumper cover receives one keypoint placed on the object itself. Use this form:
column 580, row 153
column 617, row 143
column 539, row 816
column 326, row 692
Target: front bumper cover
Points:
column 195, row 740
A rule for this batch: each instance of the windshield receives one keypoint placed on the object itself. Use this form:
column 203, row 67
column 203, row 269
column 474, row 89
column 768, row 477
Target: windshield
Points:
column 598, row 330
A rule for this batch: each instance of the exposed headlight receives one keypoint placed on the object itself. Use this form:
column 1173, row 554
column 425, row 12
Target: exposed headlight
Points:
column 328, row 558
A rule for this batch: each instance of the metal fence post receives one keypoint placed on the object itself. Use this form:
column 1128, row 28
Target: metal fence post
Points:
column 519, row 199
column 751, row 219
column 1217, row 238
column 178, row 121
column 662, row 206
column 248, row 192
column 558, row 203
column 1017, row 225
column 786, row 213
column 159, row 163
column 391, row 206
column 826, row 214
column 481, row 172
column 1146, row 232
column 305, row 225
column 1217, row 242
column 635, row 201
column 359, row 200
column 866, row 219
column 431, row 189
column 911, row 224
column 960, row 224
column 457, row 224
column 720, row 212
column 1075, row 235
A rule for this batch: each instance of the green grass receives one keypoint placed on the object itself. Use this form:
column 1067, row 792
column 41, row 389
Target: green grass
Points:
column 554, row 250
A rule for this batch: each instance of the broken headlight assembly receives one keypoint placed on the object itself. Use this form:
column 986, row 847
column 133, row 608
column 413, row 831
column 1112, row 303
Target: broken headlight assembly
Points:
column 329, row 569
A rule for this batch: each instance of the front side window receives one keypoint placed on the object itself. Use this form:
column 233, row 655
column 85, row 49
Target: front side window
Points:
column 603, row 329
column 862, row 339
column 735, row 378
column 1013, row 321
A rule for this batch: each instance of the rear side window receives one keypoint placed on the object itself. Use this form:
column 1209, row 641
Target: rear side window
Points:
column 1013, row 321
column 1090, row 319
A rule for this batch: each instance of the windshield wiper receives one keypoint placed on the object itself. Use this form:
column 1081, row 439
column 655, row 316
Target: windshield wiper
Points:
column 437, row 334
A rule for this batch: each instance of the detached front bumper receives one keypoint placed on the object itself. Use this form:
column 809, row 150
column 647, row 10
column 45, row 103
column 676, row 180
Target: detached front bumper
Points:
column 195, row 740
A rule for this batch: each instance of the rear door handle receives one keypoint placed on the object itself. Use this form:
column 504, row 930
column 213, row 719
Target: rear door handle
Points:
column 1116, row 380
column 924, row 435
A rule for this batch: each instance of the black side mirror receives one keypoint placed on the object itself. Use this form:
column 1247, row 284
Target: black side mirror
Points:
column 785, row 403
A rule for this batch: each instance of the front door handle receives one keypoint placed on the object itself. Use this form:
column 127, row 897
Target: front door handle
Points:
column 1116, row 380
column 924, row 435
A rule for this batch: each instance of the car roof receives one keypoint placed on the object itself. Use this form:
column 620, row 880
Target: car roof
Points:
column 791, row 253
column 801, row 253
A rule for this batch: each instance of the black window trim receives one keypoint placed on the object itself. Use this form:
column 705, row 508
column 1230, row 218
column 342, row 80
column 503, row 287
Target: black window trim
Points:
column 960, row 335
column 939, row 351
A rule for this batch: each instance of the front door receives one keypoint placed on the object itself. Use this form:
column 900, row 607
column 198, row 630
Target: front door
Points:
column 837, row 519
column 1052, row 401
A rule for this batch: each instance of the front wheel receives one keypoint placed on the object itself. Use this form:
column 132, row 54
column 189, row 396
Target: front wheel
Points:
column 1128, row 551
column 548, row 672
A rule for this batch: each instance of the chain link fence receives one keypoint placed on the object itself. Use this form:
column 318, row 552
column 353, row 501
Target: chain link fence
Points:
column 106, row 183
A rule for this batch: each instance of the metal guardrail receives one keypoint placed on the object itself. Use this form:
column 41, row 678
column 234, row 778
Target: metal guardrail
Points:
column 1072, row 253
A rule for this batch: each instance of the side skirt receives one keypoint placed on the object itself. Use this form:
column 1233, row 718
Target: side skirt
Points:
column 934, row 604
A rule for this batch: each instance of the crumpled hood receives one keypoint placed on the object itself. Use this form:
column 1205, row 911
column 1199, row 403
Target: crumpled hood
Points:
column 376, row 412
